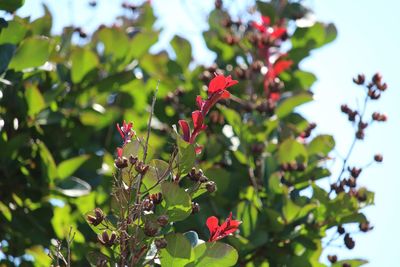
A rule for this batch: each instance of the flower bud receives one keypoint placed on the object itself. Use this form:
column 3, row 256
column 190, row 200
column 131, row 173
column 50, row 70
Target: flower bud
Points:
column 332, row 258
column 349, row 242
column 121, row 163
column 365, row 226
column 133, row 160
column 378, row 158
column 156, row 198
column 195, row 208
column 340, row 229
column 162, row 220
column 150, row 228
column 360, row 79
column 211, row 187
column 148, row 205
column 160, row 243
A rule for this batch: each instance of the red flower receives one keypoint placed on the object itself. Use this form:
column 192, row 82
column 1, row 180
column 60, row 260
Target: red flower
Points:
column 216, row 91
column 278, row 67
column 119, row 152
column 265, row 28
column 126, row 131
column 217, row 232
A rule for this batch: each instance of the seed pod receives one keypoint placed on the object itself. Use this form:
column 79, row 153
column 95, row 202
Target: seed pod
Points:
column 148, row 205
column 133, row 160
column 156, row 198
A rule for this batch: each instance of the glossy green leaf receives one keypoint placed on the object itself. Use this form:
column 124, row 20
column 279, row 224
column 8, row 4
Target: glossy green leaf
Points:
column 68, row 167
column 183, row 51
column 6, row 53
column 73, row 187
column 321, row 145
column 352, row 263
column 178, row 202
column 42, row 25
column 32, row 52
column 288, row 104
column 215, row 254
column 11, row 5
column 115, row 42
column 83, row 60
column 178, row 251
column 47, row 162
column 292, row 151
column 34, row 99
column 13, row 33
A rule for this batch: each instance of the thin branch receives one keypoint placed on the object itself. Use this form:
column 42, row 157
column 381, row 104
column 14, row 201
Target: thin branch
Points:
column 149, row 123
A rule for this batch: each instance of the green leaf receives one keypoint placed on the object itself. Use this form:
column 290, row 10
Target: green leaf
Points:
column 183, row 51
column 32, row 52
column 292, row 151
column 290, row 210
column 116, row 42
column 83, row 61
column 321, row 145
column 248, row 214
column 14, row 33
column 69, row 166
column 73, row 187
column 141, row 43
column 313, row 37
column 288, row 105
column 34, row 100
column 178, row 252
column 11, row 5
column 192, row 236
column 215, row 254
column 352, row 263
column 186, row 155
column 6, row 53
column 42, row 25
column 47, row 162
column 267, row 9
column 178, row 202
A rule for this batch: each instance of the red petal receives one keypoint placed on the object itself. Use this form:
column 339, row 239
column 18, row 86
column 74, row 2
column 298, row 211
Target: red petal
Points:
column 275, row 96
column 200, row 102
column 198, row 119
column 185, row 130
column 281, row 66
column 216, row 84
column 260, row 27
column 198, row 149
column 225, row 94
column 212, row 224
column 119, row 152
column 230, row 82
column 278, row 33
column 120, row 131
column 266, row 20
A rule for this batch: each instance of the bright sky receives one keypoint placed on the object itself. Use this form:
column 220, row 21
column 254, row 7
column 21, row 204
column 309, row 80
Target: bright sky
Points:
column 368, row 41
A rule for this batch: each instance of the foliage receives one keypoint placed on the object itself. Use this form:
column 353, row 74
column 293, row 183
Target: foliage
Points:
column 58, row 107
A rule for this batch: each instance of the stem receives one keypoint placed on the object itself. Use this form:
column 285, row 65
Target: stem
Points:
column 348, row 155
column 149, row 123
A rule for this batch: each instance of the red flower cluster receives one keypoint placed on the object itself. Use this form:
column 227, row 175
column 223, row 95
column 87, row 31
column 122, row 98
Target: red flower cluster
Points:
column 217, row 89
column 274, row 34
column 218, row 232
column 264, row 27
column 126, row 131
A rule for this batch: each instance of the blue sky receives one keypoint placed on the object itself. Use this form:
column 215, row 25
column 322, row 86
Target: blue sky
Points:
column 368, row 41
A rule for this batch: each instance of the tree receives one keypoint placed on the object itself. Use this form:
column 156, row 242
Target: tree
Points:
column 60, row 104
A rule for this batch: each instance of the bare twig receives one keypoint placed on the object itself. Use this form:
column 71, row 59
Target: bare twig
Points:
column 149, row 123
